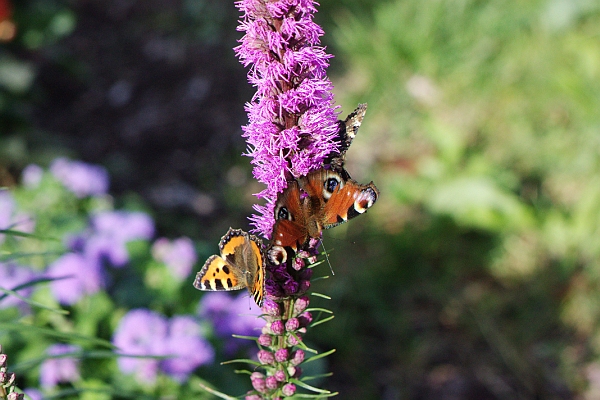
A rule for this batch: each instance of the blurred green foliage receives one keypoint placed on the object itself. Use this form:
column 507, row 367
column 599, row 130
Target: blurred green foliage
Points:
column 476, row 275
column 481, row 257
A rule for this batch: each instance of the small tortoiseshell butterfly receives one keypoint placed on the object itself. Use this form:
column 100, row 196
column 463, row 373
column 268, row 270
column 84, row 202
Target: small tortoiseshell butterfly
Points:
column 239, row 266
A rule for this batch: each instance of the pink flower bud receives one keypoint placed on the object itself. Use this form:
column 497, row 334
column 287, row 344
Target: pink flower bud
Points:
column 281, row 355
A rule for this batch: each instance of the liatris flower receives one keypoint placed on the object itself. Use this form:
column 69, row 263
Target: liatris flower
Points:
column 292, row 122
column 291, row 131
column 59, row 369
column 7, row 381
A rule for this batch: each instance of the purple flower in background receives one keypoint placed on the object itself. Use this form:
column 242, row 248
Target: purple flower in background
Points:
column 11, row 276
column 32, row 176
column 231, row 315
column 190, row 349
column 33, row 394
column 80, row 178
column 82, row 276
column 141, row 332
column 7, row 208
column 111, row 230
column 61, row 369
column 179, row 255
column 292, row 121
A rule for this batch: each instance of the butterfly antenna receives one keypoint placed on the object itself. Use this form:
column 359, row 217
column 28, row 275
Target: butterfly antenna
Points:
column 326, row 256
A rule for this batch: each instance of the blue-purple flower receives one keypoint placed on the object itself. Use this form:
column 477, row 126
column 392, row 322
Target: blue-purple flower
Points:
column 110, row 232
column 141, row 332
column 7, row 208
column 178, row 255
column 33, row 394
column 59, row 369
column 80, row 178
column 145, row 333
column 32, row 176
column 231, row 315
column 292, row 120
column 11, row 276
column 187, row 346
column 76, row 275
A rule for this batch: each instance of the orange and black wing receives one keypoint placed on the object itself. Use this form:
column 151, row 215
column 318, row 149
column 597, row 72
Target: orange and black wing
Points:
column 290, row 219
column 347, row 202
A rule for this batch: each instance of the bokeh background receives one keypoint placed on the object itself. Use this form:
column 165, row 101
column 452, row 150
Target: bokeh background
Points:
column 477, row 273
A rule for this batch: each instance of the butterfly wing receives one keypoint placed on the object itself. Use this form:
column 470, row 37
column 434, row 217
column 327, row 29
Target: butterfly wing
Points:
column 217, row 275
column 239, row 266
column 342, row 199
column 290, row 218
column 346, row 133
column 257, row 285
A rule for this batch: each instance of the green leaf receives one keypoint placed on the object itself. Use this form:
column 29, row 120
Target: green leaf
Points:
column 324, row 296
column 313, row 358
column 321, row 321
column 216, row 392
column 319, row 309
column 242, row 360
column 26, row 329
column 308, row 387
column 31, row 302
column 312, row 377
column 245, row 337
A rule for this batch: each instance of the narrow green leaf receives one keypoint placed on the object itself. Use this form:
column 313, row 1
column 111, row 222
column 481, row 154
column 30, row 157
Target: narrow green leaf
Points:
column 321, row 295
column 31, row 302
column 313, row 358
column 244, row 337
column 319, row 309
column 27, row 329
column 319, row 278
column 242, row 371
column 313, row 396
column 312, row 377
column 27, row 235
column 308, row 387
column 216, row 392
column 321, row 321
column 242, row 360
column 14, row 256
column 302, row 345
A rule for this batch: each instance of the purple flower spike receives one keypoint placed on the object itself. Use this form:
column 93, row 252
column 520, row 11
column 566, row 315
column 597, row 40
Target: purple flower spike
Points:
column 265, row 340
column 277, row 327
column 271, row 383
column 281, row 355
column 63, row 369
column 265, row 357
column 288, row 389
column 292, row 324
column 292, row 121
column 80, row 178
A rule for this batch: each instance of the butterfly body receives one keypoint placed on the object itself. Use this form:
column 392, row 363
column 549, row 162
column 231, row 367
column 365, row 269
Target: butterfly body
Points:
column 239, row 266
